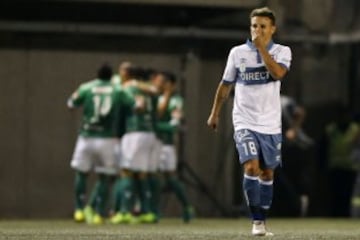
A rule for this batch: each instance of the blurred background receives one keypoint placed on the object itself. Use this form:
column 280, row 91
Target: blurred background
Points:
column 47, row 48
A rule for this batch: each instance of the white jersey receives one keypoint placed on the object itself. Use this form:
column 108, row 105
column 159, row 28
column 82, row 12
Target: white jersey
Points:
column 257, row 95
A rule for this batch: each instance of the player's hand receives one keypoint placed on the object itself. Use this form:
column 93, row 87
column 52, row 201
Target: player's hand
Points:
column 213, row 122
column 257, row 40
column 291, row 134
column 131, row 83
column 169, row 89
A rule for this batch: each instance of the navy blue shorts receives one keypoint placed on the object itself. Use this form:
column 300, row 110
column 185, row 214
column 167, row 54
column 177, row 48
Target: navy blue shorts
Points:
column 264, row 147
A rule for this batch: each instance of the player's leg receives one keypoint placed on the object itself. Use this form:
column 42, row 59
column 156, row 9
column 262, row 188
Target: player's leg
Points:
column 258, row 193
column 266, row 190
column 249, row 152
column 80, row 193
column 124, row 191
column 117, row 186
column 117, row 194
column 144, row 165
column 178, row 188
column 155, row 188
column 105, row 168
column 154, row 178
column 168, row 165
column 270, row 146
column 82, row 163
column 251, row 188
column 124, row 186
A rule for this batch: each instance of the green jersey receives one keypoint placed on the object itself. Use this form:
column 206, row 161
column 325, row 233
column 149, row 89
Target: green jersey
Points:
column 102, row 102
column 169, row 123
column 116, row 79
column 341, row 145
column 143, row 115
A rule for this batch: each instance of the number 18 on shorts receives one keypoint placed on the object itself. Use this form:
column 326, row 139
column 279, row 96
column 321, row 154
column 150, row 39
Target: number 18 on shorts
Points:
column 264, row 147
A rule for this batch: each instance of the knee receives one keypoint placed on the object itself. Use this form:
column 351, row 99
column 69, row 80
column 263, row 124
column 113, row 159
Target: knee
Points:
column 267, row 175
column 125, row 173
column 252, row 168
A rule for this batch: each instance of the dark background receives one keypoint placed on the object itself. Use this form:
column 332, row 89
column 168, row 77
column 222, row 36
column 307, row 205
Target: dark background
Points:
column 47, row 48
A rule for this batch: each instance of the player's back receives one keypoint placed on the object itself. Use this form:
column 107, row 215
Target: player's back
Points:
column 101, row 103
column 144, row 119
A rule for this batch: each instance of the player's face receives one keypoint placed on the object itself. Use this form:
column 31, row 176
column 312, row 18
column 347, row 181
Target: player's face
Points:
column 262, row 27
column 158, row 81
column 123, row 69
column 168, row 85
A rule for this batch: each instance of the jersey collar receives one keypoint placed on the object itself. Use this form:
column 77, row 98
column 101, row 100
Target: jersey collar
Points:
column 252, row 46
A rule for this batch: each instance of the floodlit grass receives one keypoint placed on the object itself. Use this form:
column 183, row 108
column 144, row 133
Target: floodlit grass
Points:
column 174, row 229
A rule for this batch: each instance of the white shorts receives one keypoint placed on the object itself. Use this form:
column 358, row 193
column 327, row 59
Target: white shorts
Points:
column 154, row 159
column 136, row 150
column 95, row 153
column 168, row 158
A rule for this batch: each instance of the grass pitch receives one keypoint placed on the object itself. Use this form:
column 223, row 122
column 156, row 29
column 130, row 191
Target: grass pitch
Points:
column 174, row 229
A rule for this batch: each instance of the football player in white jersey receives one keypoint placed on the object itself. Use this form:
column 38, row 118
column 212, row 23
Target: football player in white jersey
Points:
column 256, row 68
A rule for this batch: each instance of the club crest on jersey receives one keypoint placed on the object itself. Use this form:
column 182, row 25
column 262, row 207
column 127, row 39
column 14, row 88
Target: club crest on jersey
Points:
column 242, row 66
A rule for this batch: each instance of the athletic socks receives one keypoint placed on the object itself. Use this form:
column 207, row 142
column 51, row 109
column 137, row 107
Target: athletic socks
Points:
column 252, row 195
column 102, row 186
column 155, row 188
column 178, row 189
column 258, row 194
column 266, row 194
column 80, row 189
column 127, row 188
column 117, row 194
column 145, row 195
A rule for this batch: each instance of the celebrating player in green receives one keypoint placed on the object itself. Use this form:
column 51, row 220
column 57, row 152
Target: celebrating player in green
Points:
column 102, row 102
column 136, row 149
column 170, row 112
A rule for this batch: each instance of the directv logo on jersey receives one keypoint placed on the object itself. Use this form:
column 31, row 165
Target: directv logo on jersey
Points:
column 249, row 76
column 254, row 76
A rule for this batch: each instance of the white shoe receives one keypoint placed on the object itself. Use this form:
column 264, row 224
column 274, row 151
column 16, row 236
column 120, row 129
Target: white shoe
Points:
column 259, row 229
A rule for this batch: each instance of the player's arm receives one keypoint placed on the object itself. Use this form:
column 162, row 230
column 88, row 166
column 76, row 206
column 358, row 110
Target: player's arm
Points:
column 299, row 116
column 143, row 87
column 164, row 100
column 276, row 70
column 223, row 90
column 174, row 124
column 76, row 99
column 222, row 93
column 296, row 119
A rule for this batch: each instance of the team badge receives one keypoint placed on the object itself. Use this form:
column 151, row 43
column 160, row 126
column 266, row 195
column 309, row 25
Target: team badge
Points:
column 242, row 65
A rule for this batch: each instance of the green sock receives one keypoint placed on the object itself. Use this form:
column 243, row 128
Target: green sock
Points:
column 118, row 191
column 155, row 188
column 127, row 194
column 80, row 189
column 178, row 188
column 102, row 194
column 145, row 195
column 94, row 194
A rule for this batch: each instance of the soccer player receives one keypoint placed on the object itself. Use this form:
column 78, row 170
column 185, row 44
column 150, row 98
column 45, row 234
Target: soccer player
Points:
column 136, row 148
column 256, row 68
column 170, row 113
column 122, row 71
column 101, row 101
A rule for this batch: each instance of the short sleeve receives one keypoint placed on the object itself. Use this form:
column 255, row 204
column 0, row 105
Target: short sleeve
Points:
column 284, row 57
column 77, row 98
column 176, row 103
column 229, row 75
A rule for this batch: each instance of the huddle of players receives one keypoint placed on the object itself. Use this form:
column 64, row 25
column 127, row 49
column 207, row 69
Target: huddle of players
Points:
column 127, row 137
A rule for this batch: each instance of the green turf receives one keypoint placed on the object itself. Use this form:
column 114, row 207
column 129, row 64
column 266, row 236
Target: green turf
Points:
column 174, row 229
